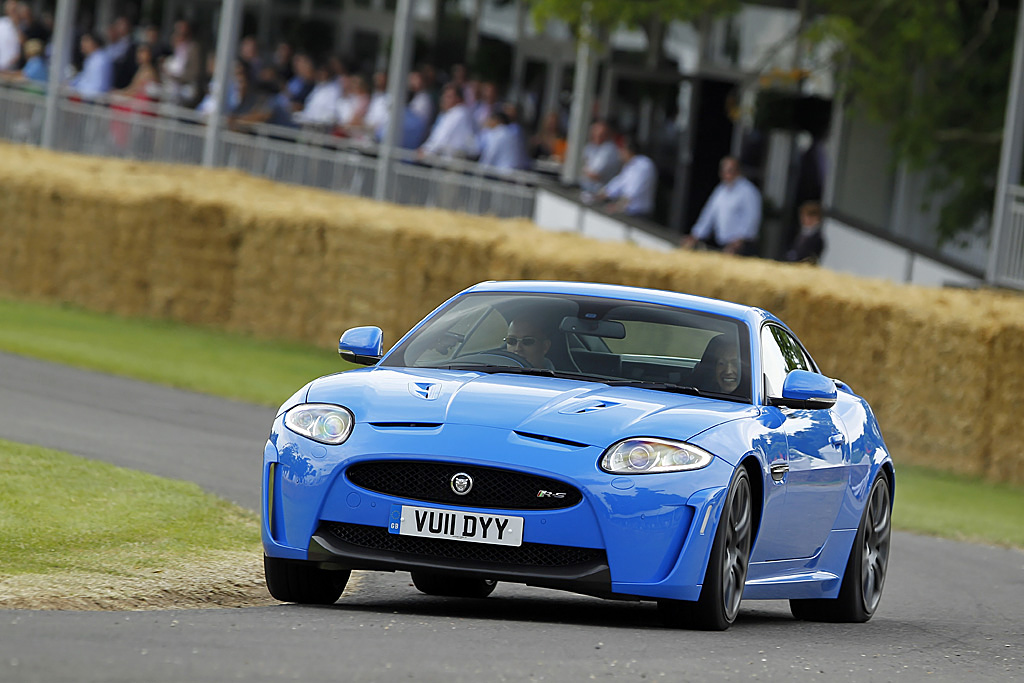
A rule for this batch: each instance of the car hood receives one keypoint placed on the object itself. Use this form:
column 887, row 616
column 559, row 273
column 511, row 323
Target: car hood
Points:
column 582, row 412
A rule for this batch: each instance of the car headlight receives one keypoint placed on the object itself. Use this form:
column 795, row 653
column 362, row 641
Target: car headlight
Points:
column 320, row 422
column 643, row 455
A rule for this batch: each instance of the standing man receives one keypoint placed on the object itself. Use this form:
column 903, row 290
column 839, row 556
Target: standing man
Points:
column 731, row 218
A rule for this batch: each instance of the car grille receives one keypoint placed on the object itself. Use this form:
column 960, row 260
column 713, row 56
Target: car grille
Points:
column 492, row 487
column 526, row 555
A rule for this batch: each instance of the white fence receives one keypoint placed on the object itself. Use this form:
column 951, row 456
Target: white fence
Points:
column 1009, row 257
column 134, row 129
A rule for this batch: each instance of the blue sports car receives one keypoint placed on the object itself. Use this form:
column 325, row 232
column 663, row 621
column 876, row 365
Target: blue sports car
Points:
column 606, row 440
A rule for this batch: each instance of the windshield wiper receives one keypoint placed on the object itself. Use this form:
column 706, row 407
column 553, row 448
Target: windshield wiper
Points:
column 658, row 386
column 534, row 372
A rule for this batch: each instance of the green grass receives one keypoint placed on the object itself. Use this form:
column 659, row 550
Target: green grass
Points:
column 953, row 506
column 236, row 366
column 61, row 513
column 199, row 359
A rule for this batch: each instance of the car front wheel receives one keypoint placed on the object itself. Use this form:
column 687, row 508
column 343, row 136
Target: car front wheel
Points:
column 726, row 574
column 303, row 582
column 864, row 577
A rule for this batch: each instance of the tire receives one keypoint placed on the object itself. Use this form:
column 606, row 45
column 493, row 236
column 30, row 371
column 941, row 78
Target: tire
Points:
column 864, row 577
column 726, row 574
column 452, row 586
column 303, row 582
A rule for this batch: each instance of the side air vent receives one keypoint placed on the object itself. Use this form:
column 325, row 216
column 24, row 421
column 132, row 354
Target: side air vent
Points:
column 405, row 425
column 552, row 439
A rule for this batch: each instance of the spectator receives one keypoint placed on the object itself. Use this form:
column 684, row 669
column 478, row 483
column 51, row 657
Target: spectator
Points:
column 498, row 143
column 182, row 69
column 302, row 82
column 354, row 103
column 97, row 72
column 511, row 111
column 145, row 83
column 809, row 243
column 632, row 190
column 380, row 102
column 282, row 61
column 486, row 105
column 30, row 27
column 414, row 128
column 731, row 218
column 600, row 158
column 262, row 102
column 549, row 143
column 121, row 52
column 420, row 102
column 321, row 107
column 452, row 134
column 10, row 38
column 249, row 54
column 160, row 49
column 35, row 68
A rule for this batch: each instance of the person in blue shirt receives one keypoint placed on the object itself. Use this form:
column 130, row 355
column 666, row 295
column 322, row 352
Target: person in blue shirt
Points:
column 35, row 68
column 632, row 191
column 97, row 74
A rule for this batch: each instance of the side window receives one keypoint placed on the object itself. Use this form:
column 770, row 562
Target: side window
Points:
column 773, row 362
column 794, row 355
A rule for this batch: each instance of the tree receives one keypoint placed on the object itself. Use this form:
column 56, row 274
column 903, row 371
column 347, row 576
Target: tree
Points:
column 936, row 73
column 608, row 14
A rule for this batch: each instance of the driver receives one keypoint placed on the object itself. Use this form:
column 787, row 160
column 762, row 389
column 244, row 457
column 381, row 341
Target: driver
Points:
column 527, row 339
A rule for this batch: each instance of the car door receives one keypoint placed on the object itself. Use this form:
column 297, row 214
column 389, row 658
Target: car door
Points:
column 818, row 457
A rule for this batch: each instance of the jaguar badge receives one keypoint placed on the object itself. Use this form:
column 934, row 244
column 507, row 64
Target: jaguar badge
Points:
column 462, row 484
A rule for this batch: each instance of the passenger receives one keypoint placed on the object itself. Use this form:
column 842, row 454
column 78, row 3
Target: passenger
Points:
column 527, row 339
column 719, row 370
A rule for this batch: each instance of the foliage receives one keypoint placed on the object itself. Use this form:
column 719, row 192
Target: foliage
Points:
column 937, row 74
column 607, row 14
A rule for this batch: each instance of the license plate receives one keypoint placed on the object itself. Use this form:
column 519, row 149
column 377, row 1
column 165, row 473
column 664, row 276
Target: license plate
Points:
column 474, row 527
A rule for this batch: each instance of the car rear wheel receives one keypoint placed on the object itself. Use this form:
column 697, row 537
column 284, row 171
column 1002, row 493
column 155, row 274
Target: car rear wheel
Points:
column 726, row 574
column 861, row 589
column 303, row 582
column 452, row 586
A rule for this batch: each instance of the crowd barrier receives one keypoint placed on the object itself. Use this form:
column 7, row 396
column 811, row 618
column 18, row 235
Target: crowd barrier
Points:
column 941, row 367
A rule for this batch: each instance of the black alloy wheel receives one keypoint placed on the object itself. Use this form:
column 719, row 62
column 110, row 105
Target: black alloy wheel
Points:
column 726, row 574
column 864, row 578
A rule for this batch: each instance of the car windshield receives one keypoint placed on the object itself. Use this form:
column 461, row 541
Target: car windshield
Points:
column 603, row 340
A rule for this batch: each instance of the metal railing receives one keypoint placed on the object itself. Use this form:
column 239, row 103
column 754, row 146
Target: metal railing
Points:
column 148, row 131
column 1009, row 257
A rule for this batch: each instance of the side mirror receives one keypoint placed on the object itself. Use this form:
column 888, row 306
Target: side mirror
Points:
column 806, row 391
column 362, row 345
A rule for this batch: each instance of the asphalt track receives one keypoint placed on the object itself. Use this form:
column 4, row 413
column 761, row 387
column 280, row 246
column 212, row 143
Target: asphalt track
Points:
column 951, row 611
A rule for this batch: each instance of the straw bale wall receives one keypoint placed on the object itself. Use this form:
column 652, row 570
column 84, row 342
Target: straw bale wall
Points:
column 943, row 369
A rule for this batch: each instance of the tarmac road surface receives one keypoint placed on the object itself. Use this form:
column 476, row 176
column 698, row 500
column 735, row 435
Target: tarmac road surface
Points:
column 951, row 611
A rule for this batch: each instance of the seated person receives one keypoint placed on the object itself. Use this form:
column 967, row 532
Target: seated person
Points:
column 528, row 339
column 719, row 368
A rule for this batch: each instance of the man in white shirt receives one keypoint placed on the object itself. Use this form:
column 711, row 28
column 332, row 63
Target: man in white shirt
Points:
column 380, row 102
column 453, row 134
column 600, row 158
column 10, row 37
column 632, row 190
column 320, row 108
column 731, row 218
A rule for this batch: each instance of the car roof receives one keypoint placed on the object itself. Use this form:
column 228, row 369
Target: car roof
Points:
column 752, row 315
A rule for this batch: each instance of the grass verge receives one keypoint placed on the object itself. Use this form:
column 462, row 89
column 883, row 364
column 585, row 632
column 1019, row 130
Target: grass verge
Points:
column 236, row 366
column 198, row 359
column 85, row 534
